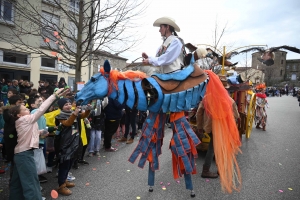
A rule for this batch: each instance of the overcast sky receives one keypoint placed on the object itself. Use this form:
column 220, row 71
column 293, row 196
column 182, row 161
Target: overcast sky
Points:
column 249, row 22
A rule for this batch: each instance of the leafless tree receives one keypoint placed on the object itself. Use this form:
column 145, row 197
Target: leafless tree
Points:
column 218, row 34
column 74, row 29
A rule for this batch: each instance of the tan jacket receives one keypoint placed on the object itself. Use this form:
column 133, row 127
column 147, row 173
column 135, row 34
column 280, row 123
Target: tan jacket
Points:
column 28, row 129
column 204, row 121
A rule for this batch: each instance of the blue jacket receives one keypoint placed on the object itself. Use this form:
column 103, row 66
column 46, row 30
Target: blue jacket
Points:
column 113, row 110
column 42, row 124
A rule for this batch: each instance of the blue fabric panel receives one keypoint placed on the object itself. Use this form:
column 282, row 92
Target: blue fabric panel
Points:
column 188, row 99
column 142, row 100
column 166, row 103
column 151, row 176
column 130, row 92
column 178, row 76
column 157, row 105
column 189, row 130
column 114, row 93
column 188, row 181
column 144, row 156
column 121, row 96
column 181, row 100
column 203, row 89
column 199, row 91
column 195, row 96
column 173, row 103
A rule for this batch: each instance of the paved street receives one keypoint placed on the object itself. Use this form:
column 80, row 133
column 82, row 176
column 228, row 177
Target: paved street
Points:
column 270, row 167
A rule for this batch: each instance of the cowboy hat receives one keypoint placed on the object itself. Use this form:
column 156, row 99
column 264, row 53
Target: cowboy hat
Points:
column 166, row 20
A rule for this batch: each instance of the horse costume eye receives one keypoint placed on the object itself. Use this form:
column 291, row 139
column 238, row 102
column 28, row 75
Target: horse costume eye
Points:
column 93, row 79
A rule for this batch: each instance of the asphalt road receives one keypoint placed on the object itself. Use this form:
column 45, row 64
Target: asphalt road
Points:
column 269, row 164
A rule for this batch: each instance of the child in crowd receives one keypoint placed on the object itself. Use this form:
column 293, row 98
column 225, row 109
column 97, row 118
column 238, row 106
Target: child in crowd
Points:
column 11, row 92
column 67, row 141
column 96, row 119
column 10, row 135
column 25, row 183
column 34, row 102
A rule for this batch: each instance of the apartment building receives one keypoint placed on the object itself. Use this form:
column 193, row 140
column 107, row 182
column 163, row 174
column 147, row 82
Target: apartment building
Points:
column 26, row 54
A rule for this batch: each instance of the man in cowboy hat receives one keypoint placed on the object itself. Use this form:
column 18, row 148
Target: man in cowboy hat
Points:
column 170, row 55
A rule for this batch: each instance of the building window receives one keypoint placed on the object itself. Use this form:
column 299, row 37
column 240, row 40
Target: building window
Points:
column 13, row 57
column 281, row 61
column 50, row 24
column 74, row 6
column 281, row 72
column 73, row 34
column 6, row 11
column 287, row 67
column 293, row 77
column 48, row 62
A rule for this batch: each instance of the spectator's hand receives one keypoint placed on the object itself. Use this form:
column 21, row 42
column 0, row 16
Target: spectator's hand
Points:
column 89, row 107
column 1, row 145
column 144, row 55
column 146, row 61
column 61, row 92
column 43, row 134
column 77, row 110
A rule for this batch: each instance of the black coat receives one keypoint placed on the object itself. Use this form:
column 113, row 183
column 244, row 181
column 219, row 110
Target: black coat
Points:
column 10, row 134
column 97, row 122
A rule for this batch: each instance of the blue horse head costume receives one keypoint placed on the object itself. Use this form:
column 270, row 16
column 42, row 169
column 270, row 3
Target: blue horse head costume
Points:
column 179, row 91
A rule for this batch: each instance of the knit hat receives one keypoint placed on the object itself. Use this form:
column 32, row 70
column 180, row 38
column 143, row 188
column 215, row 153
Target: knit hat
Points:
column 62, row 102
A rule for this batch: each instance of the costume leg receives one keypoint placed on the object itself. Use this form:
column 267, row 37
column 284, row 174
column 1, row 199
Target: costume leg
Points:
column 151, row 178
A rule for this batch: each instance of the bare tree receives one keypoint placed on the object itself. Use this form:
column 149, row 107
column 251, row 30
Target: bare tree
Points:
column 218, row 34
column 73, row 29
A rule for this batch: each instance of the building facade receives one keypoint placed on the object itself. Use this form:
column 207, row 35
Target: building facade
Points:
column 293, row 71
column 273, row 74
column 18, row 57
column 116, row 62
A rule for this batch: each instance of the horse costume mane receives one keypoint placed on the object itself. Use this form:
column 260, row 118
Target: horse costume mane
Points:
column 115, row 76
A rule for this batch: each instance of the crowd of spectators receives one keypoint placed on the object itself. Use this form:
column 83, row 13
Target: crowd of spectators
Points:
column 52, row 112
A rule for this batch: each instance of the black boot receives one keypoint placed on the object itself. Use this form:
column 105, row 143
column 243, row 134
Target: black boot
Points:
column 207, row 174
column 257, row 126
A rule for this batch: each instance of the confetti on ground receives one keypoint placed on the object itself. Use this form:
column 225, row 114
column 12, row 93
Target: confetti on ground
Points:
column 107, row 162
column 94, row 169
column 1, row 190
column 138, row 197
column 280, row 190
column 161, row 183
column 287, row 149
column 178, row 181
column 103, row 156
column 290, row 188
column 280, row 164
column 169, row 184
column 87, row 184
column 207, row 180
column 128, row 170
column 98, row 158
column 163, row 187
